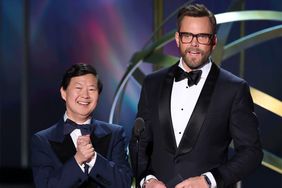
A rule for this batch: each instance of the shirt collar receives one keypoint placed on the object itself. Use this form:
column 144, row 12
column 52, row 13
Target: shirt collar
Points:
column 205, row 69
column 86, row 122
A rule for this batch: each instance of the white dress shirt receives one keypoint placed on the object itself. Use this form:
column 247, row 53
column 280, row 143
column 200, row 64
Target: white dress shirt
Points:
column 184, row 99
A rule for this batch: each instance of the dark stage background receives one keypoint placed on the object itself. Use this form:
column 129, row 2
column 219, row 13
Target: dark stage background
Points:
column 40, row 39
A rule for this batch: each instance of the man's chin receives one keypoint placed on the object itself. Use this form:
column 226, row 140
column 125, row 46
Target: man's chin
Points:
column 193, row 64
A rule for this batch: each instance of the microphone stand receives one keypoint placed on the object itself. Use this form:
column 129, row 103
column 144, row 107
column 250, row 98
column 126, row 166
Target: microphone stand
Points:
column 137, row 161
column 138, row 129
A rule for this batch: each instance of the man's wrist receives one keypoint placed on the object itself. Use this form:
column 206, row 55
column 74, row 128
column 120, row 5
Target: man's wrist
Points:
column 148, row 177
column 207, row 180
column 146, row 182
column 78, row 160
column 211, row 178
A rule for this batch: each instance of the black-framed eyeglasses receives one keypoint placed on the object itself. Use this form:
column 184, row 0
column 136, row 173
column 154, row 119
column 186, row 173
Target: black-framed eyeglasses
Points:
column 202, row 38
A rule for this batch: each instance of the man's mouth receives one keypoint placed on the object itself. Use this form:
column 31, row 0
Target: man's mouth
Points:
column 193, row 51
column 83, row 103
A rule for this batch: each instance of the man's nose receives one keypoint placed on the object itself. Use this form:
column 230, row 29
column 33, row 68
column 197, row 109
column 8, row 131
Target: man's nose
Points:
column 194, row 41
column 85, row 93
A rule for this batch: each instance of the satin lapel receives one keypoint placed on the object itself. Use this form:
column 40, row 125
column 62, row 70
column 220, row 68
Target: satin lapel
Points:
column 195, row 123
column 101, row 139
column 64, row 150
column 164, row 111
column 101, row 144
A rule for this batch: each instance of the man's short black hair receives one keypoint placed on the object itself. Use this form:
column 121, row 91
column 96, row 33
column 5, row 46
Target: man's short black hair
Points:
column 79, row 70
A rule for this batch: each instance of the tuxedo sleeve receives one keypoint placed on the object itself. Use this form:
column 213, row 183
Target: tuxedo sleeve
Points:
column 244, row 132
column 45, row 174
column 113, row 171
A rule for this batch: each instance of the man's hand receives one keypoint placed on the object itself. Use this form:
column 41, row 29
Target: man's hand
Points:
column 153, row 183
column 194, row 182
column 84, row 151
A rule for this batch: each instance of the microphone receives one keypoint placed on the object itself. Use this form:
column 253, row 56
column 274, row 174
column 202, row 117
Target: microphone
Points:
column 139, row 127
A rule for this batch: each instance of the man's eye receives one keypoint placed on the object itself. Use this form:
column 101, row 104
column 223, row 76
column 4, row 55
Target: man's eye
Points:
column 203, row 36
column 187, row 35
column 93, row 89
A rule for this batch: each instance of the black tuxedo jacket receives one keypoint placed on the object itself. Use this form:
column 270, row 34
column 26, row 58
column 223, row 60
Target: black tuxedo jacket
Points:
column 54, row 165
column 223, row 112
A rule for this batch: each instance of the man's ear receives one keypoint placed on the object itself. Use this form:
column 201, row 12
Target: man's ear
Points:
column 214, row 41
column 63, row 93
column 176, row 37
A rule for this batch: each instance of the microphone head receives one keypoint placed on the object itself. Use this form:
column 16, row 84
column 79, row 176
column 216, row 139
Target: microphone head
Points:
column 139, row 126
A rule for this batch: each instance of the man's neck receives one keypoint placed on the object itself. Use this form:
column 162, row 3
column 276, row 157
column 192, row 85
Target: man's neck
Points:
column 78, row 121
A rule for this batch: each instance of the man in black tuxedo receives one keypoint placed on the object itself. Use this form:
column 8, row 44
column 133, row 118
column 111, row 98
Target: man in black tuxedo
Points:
column 78, row 150
column 192, row 111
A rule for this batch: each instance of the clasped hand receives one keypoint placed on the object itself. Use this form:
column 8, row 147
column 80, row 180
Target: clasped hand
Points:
column 85, row 150
column 194, row 182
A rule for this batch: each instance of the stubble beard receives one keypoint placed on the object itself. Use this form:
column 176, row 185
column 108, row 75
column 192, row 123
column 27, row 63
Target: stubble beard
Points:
column 193, row 62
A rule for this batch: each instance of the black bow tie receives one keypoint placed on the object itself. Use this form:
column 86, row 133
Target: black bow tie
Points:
column 193, row 76
column 70, row 126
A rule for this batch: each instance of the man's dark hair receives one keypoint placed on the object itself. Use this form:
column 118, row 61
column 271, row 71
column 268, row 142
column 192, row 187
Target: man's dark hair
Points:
column 79, row 70
column 196, row 10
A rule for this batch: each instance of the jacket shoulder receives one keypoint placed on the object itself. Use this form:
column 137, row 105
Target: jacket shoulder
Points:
column 108, row 126
column 160, row 74
column 231, row 78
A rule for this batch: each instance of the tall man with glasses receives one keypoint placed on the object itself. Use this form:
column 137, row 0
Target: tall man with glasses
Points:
column 192, row 111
